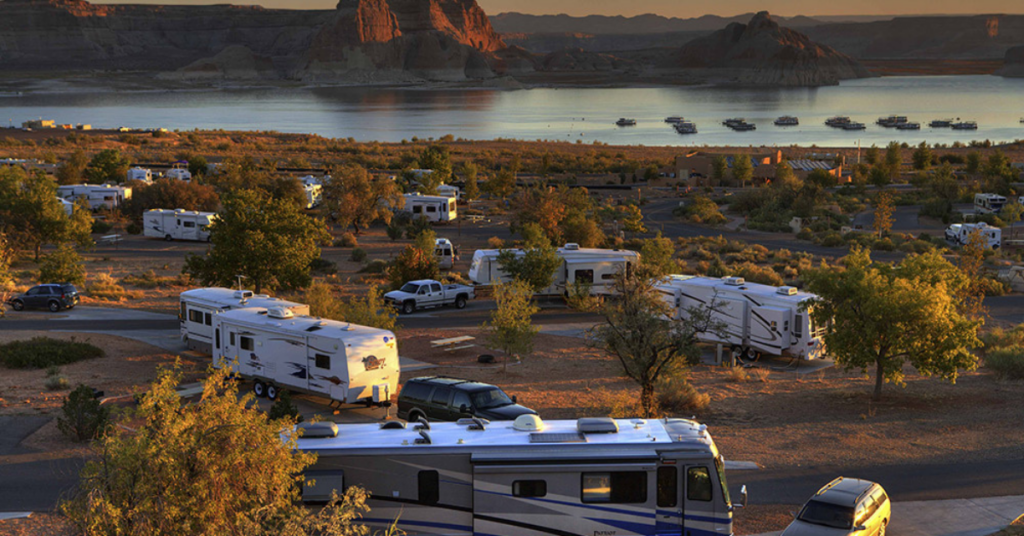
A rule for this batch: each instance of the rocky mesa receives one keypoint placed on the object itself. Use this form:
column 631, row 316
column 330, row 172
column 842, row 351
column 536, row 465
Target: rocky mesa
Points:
column 1013, row 65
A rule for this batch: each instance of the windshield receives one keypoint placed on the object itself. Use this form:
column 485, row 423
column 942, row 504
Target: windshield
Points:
column 410, row 288
column 493, row 398
column 827, row 515
column 720, row 467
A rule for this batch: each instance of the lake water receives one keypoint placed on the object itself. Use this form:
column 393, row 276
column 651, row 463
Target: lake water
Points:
column 997, row 104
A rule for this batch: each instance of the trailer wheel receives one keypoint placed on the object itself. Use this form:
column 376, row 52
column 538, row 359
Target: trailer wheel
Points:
column 460, row 302
column 168, row 238
column 272, row 391
column 409, row 307
column 259, row 389
column 737, row 353
column 751, row 355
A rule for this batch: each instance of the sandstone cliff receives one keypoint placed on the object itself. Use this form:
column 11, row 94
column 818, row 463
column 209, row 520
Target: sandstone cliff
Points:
column 1013, row 66
column 763, row 53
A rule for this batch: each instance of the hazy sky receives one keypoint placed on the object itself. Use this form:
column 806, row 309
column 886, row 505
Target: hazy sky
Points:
column 679, row 8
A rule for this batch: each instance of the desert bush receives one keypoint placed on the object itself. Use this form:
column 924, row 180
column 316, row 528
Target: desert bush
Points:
column 101, row 227
column 758, row 274
column 376, row 266
column 43, row 352
column 105, row 287
column 82, row 417
column 702, row 209
column 495, row 243
column 832, row 239
column 347, row 240
column 1006, row 362
column 883, row 244
column 358, row 255
column 762, row 375
column 620, row 404
column 133, row 228
column 1000, row 338
column 150, row 280
column 55, row 381
column 395, row 231
column 738, row 375
column 323, row 266
column 579, row 298
column 284, row 408
column 679, row 396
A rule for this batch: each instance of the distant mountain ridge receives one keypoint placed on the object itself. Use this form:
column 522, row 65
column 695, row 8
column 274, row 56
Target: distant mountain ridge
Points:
column 520, row 23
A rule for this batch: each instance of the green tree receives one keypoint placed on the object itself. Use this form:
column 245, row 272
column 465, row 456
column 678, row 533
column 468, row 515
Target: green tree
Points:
column 198, row 166
column 72, row 170
column 998, row 165
column 922, row 157
column 219, row 466
column 268, row 241
column 886, row 316
column 633, row 219
column 289, row 190
column 64, row 265
column 501, row 185
column 536, row 263
column 893, row 161
column 510, row 329
column 172, row 194
column 822, row 178
column 416, row 262
column 719, row 168
column 879, row 177
column 33, row 214
column 884, row 210
column 742, row 169
column 651, row 173
column 785, row 178
column 1011, row 212
column 873, row 156
column 438, row 159
column 658, row 256
column 369, row 310
column 471, row 190
column 971, row 263
column 107, row 165
column 577, row 228
column 358, row 200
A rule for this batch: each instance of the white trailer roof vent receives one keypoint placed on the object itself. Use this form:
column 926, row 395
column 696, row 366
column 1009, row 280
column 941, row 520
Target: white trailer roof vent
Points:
column 243, row 294
column 317, row 430
column 280, row 313
column 572, row 246
column 787, row 291
column 597, row 425
column 528, row 423
column 735, row 281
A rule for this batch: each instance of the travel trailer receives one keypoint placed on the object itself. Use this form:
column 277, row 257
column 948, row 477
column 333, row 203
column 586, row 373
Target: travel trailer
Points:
column 179, row 172
column 446, row 253
column 278, row 349
column 594, row 267
column 592, row 476
column 140, row 174
column 960, row 234
column 448, row 190
column 178, row 224
column 198, row 306
column 314, row 195
column 988, row 203
column 435, row 208
column 99, row 196
column 755, row 319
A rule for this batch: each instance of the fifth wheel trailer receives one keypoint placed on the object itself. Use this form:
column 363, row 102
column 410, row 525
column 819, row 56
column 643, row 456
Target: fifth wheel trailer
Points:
column 533, row 478
column 595, row 267
column 344, row 362
column 198, row 306
column 756, row 319
column 434, row 208
column 99, row 196
column 178, row 224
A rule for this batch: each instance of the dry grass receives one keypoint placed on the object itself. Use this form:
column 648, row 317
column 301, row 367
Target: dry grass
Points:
column 738, row 374
column 762, row 375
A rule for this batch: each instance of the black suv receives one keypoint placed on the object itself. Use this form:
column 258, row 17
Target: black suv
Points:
column 52, row 297
column 450, row 399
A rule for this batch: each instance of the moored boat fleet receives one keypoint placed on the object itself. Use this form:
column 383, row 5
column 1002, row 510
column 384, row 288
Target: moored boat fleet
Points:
column 840, row 122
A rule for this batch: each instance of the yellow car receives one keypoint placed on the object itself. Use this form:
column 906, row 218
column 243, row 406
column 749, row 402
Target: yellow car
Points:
column 845, row 506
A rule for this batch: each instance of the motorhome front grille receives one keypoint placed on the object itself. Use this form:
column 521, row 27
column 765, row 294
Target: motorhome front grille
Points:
column 558, row 438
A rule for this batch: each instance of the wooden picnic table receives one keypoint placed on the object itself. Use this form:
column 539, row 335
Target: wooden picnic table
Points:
column 454, row 343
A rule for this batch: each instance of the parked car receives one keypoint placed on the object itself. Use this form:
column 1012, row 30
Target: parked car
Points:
column 845, row 506
column 416, row 295
column 450, row 399
column 49, row 296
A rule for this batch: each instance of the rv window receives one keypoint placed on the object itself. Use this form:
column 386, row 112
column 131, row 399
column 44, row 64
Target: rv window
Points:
column 667, row 486
column 698, row 484
column 429, row 487
column 190, row 224
column 417, row 209
column 195, row 316
column 619, row 487
column 431, row 208
column 585, row 276
column 323, row 361
column 247, row 343
column 317, row 486
column 441, row 395
column 529, row 488
column 798, row 328
column 184, row 312
column 608, row 277
column 208, row 320
column 231, row 338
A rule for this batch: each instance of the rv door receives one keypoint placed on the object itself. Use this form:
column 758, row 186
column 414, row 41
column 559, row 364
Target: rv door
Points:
column 698, row 500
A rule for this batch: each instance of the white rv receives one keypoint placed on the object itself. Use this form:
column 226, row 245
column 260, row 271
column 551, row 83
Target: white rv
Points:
column 446, row 253
column 280, row 350
column 448, row 190
column 179, row 172
column 595, row 267
column 531, row 477
column 140, row 174
column 68, row 206
column 756, row 319
column 199, row 305
column 435, row 208
column 988, row 203
column 99, row 196
column 314, row 195
column 960, row 234
column 178, row 224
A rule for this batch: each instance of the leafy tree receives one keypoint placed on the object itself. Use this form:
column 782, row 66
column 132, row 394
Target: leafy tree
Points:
column 82, row 416
column 784, row 177
column 971, row 262
column 973, row 162
column 998, row 165
column 651, row 173
column 1011, row 212
column 873, row 156
column 885, row 316
column 471, row 191
column 169, row 194
column 633, row 219
column 535, row 265
column 893, row 161
column 719, row 168
column 884, row 210
column 742, row 169
column 107, row 165
column 355, row 199
column 288, row 189
column 438, row 159
column 33, row 214
column 922, row 157
column 944, row 183
column 369, row 310
column 64, row 265
column 551, row 208
column 577, row 228
column 72, row 170
column 822, row 178
column 657, row 255
column 510, row 329
column 879, row 177
column 198, row 166
column 501, row 185
column 416, row 262
column 6, row 279
column 219, row 466
column 268, row 241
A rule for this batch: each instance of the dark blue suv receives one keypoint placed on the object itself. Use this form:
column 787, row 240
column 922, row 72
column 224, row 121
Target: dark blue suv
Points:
column 438, row 398
column 55, row 297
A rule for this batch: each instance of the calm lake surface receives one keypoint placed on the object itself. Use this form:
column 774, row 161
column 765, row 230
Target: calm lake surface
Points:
column 569, row 114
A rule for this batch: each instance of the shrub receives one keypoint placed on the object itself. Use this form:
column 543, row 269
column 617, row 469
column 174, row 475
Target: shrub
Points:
column 284, row 408
column 43, row 352
column 883, row 244
column 323, row 266
column 150, row 280
column 54, row 380
column 832, row 239
column 133, row 229
column 62, row 266
column 999, row 337
column 101, row 227
column 761, row 374
column 579, row 298
column 358, row 254
column 758, row 274
column 106, row 288
column 679, row 396
column 376, row 266
column 395, row 231
column 82, row 416
column 1007, row 363
column 347, row 240
column 738, row 374
column 495, row 243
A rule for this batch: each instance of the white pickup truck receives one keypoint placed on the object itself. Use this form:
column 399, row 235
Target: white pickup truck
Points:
column 416, row 295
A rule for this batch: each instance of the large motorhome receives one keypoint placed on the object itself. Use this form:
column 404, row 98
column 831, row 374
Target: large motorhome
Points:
column 99, row 196
column 446, row 253
column 585, row 477
column 178, row 224
column 960, row 234
column 179, row 171
column 754, row 319
column 140, row 174
column 435, row 208
column 988, row 203
column 344, row 362
column 595, row 267
column 198, row 306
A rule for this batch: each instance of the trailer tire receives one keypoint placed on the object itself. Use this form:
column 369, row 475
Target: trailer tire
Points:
column 259, row 389
column 272, row 391
column 168, row 238
column 751, row 355
column 460, row 302
column 409, row 307
column 737, row 353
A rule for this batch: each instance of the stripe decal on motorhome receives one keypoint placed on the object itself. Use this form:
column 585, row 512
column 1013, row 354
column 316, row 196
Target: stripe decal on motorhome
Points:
column 522, row 525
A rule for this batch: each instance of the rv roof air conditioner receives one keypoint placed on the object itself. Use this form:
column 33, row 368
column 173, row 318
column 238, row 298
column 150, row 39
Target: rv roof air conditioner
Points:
column 597, row 425
column 317, row 430
column 280, row 313
column 528, row 423
column 735, row 281
column 572, row 247
column 787, row 291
